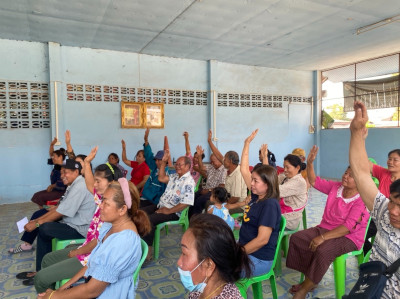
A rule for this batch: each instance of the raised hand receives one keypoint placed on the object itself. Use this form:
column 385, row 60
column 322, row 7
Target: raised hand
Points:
column 54, row 141
column 123, row 144
column 209, row 139
column 67, row 137
column 92, row 155
column 199, row 151
column 186, row 135
column 264, row 151
column 251, row 137
column 146, row 135
column 312, row 154
column 360, row 117
column 166, row 156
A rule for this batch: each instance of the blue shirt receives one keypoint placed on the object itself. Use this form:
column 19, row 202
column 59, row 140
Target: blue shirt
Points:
column 152, row 189
column 266, row 213
column 223, row 213
column 114, row 261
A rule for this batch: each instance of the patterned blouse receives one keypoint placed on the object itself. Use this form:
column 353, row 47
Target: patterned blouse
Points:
column 93, row 232
column 230, row 291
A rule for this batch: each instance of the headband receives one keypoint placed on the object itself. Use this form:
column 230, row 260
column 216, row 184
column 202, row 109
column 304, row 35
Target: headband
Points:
column 111, row 168
column 125, row 190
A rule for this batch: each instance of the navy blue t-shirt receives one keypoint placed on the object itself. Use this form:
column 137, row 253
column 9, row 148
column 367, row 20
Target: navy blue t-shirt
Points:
column 267, row 213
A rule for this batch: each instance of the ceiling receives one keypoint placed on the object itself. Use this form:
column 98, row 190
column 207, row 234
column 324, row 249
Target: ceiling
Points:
column 288, row 34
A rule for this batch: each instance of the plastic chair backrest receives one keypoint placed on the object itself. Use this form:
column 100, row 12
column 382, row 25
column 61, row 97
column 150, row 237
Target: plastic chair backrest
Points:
column 280, row 236
column 145, row 250
column 196, row 188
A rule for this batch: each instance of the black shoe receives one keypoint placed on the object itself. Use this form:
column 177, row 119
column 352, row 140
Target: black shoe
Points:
column 28, row 282
column 25, row 275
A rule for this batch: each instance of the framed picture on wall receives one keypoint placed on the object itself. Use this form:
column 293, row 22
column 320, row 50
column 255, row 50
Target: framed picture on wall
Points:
column 154, row 115
column 131, row 115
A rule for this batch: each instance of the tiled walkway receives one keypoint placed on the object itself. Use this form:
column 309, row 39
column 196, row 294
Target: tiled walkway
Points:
column 159, row 279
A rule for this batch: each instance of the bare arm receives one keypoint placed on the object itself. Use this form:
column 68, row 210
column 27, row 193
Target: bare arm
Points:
column 70, row 151
column 178, row 208
column 244, row 166
column 235, row 205
column 264, row 154
column 201, row 169
column 358, row 156
column 214, row 149
column 85, row 249
column 89, row 180
column 124, row 158
column 141, row 184
column 187, row 144
column 146, row 137
column 162, row 176
column 337, row 232
column 264, row 233
column 166, row 148
column 310, row 165
column 51, row 149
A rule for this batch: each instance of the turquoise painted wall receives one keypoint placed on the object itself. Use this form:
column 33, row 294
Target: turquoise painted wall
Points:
column 24, row 151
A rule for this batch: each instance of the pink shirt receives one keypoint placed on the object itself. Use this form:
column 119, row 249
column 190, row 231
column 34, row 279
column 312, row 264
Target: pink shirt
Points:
column 343, row 211
column 384, row 177
column 93, row 232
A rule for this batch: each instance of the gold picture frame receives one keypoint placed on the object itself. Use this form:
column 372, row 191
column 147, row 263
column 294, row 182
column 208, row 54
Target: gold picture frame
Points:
column 131, row 115
column 153, row 115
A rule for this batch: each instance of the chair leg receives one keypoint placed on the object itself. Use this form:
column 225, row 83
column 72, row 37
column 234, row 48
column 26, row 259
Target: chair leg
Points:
column 285, row 245
column 304, row 219
column 278, row 264
column 257, row 290
column 272, row 281
column 301, row 277
column 156, row 243
column 339, row 270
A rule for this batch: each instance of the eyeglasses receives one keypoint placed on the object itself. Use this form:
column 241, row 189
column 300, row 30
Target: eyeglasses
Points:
column 180, row 164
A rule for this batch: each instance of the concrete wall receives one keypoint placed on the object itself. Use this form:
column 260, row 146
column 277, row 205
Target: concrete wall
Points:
column 24, row 151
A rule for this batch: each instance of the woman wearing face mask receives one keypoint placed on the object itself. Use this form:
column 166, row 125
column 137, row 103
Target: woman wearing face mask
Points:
column 341, row 230
column 262, row 216
column 63, row 264
column 109, row 271
column 292, row 189
column 211, row 261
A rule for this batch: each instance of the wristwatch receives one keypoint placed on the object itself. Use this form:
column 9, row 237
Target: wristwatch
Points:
column 37, row 224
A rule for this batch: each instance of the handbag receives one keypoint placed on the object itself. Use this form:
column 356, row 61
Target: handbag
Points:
column 372, row 280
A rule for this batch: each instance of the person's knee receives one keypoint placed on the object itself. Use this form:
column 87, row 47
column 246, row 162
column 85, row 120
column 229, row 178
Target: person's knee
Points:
column 40, row 282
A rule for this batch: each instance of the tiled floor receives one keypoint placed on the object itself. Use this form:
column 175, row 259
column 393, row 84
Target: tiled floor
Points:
column 159, row 279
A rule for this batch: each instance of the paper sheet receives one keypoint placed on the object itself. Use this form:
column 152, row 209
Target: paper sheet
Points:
column 21, row 224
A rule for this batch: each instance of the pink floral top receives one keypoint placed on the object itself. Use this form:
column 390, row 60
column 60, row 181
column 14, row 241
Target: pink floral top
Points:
column 93, row 232
column 194, row 173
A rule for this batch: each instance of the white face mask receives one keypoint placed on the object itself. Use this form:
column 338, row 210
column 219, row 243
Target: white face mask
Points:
column 187, row 281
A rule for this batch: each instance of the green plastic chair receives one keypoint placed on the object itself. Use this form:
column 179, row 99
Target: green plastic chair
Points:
column 183, row 221
column 57, row 244
column 256, row 282
column 376, row 181
column 236, row 231
column 196, row 188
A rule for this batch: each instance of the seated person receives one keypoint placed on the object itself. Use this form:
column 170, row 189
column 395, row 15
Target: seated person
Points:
column 299, row 152
column 56, row 188
column 292, row 189
column 65, row 263
column 234, row 182
column 385, row 211
column 215, row 173
column 194, row 162
column 69, row 220
column 153, row 189
column 109, row 271
column 219, row 206
column 140, row 171
column 113, row 159
column 262, row 217
column 271, row 158
column 178, row 195
column 211, row 260
column 341, row 230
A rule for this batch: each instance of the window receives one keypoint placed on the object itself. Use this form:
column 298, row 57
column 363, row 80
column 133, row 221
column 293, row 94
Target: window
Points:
column 374, row 82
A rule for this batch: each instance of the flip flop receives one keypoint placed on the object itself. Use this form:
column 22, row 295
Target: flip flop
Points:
column 25, row 275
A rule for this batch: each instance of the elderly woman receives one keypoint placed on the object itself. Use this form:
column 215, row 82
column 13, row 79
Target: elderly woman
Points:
column 262, row 216
column 109, row 272
column 341, row 230
column 292, row 188
column 211, row 261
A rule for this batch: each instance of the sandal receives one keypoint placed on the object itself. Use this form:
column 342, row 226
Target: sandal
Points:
column 25, row 275
column 18, row 249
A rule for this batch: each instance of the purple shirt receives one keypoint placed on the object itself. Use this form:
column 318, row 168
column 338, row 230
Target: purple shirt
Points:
column 343, row 211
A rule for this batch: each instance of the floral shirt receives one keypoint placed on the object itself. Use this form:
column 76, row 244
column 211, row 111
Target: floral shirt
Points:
column 94, row 227
column 230, row 291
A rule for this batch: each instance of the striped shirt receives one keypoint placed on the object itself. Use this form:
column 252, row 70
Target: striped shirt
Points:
column 386, row 246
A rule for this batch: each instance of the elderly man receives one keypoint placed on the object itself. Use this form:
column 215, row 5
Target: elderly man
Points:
column 178, row 195
column 70, row 220
column 384, row 211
